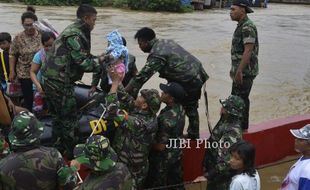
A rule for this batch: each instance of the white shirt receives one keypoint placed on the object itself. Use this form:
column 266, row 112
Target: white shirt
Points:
column 298, row 178
column 245, row 182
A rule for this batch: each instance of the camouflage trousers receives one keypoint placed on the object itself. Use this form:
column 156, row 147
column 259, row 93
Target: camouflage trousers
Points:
column 61, row 104
column 243, row 91
column 138, row 174
column 164, row 171
column 191, row 111
column 190, row 105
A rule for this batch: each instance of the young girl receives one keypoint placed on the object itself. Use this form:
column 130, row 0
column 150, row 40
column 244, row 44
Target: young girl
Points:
column 242, row 161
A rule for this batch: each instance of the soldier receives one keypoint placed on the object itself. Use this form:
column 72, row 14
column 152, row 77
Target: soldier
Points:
column 31, row 166
column 66, row 63
column 174, row 64
column 226, row 132
column 101, row 159
column 165, row 163
column 244, row 53
column 133, row 139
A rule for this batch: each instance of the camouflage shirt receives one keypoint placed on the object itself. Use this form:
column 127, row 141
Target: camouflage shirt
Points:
column 23, row 48
column 216, row 159
column 70, row 55
column 245, row 33
column 173, row 63
column 118, row 178
column 133, row 140
column 171, row 121
column 34, row 168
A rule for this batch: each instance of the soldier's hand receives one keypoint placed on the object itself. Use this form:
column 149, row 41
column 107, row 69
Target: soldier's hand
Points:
column 92, row 90
column 76, row 164
column 200, row 179
column 115, row 76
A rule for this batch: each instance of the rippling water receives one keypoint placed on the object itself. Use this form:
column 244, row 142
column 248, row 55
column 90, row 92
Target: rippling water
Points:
column 281, row 89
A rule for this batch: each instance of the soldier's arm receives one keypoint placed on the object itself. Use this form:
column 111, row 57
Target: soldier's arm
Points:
column 165, row 123
column 249, row 37
column 95, row 78
column 222, row 168
column 66, row 176
column 86, row 61
column 152, row 66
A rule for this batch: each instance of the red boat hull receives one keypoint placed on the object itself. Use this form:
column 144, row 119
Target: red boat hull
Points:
column 272, row 139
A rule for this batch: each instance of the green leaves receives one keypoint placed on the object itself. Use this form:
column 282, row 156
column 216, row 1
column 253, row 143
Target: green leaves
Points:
column 147, row 5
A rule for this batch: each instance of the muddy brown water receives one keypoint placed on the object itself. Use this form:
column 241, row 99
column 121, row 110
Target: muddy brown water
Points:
column 281, row 89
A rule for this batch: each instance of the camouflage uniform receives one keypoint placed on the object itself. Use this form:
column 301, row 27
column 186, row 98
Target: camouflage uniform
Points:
column 166, row 166
column 245, row 33
column 66, row 63
column 31, row 166
column 228, row 130
column 105, row 172
column 103, row 75
column 133, row 139
column 176, row 65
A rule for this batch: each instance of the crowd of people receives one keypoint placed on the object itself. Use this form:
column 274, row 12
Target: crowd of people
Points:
column 47, row 65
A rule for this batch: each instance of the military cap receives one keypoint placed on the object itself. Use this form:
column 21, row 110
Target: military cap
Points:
column 233, row 105
column 96, row 153
column 243, row 3
column 152, row 99
column 25, row 129
column 303, row 133
column 174, row 89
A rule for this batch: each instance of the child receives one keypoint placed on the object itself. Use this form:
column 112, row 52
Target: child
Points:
column 242, row 162
column 5, row 43
column 47, row 39
column 117, row 52
column 116, row 55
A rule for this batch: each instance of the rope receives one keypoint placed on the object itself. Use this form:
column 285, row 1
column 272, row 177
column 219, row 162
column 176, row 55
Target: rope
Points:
column 104, row 110
column 276, row 164
column 206, row 105
column 3, row 66
column 174, row 185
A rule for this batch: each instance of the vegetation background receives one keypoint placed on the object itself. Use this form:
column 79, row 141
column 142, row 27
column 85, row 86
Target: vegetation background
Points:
column 147, row 5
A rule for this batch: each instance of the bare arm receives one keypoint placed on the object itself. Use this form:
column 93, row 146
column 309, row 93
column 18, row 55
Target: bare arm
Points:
column 12, row 61
column 33, row 75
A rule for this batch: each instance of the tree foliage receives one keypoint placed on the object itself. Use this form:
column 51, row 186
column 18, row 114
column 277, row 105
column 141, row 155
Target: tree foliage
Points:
column 148, row 5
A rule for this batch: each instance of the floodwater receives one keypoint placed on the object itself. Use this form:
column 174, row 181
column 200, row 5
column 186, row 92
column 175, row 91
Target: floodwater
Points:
column 281, row 89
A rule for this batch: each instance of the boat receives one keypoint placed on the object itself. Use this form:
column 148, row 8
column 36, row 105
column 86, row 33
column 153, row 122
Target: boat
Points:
column 272, row 139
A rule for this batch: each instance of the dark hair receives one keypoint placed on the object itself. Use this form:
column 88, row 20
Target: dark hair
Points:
column 30, row 15
column 246, row 151
column 47, row 36
column 85, row 10
column 31, row 9
column 124, row 41
column 145, row 33
column 4, row 36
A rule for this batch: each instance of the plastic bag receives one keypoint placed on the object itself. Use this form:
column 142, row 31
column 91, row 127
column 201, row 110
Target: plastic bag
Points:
column 14, row 89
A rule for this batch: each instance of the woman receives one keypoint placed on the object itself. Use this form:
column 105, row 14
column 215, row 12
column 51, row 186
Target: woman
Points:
column 23, row 48
column 47, row 40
